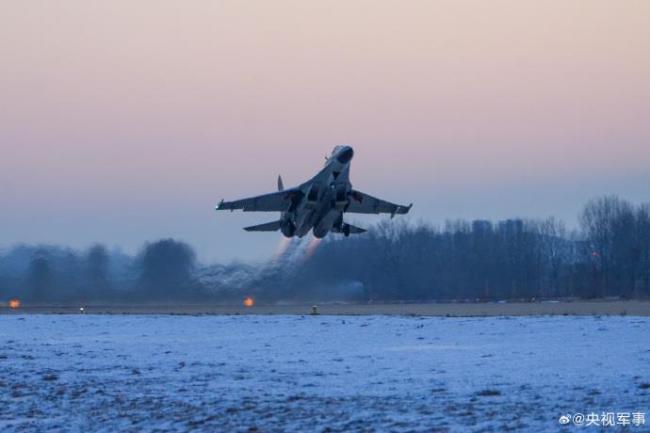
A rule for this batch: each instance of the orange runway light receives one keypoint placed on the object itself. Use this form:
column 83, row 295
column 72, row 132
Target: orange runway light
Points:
column 249, row 302
column 14, row 304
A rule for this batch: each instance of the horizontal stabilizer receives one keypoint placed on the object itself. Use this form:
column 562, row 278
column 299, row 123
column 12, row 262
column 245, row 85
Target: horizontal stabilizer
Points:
column 267, row 227
column 355, row 229
column 348, row 229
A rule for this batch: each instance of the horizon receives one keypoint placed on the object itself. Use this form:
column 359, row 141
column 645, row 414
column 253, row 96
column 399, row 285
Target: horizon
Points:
column 303, row 248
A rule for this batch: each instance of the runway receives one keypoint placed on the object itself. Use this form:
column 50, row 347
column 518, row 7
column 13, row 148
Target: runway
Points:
column 445, row 309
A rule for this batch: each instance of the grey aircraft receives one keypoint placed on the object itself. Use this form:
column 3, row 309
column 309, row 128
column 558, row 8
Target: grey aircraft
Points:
column 317, row 204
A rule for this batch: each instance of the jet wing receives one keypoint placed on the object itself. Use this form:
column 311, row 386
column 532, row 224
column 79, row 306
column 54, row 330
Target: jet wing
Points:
column 274, row 202
column 365, row 203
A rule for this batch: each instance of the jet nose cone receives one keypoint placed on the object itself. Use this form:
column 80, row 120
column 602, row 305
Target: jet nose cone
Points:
column 345, row 155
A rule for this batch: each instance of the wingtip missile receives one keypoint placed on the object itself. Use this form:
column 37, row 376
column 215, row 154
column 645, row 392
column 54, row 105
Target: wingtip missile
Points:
column 401, row 210
column 221, row 206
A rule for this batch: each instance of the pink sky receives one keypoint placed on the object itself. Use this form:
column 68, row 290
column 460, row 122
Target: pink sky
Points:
column 125, row 121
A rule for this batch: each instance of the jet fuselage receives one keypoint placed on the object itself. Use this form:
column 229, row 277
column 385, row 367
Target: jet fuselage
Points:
column 323, row 199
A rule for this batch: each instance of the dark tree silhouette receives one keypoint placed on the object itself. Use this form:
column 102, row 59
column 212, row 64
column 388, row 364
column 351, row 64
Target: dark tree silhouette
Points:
column 97, row 273
column 40, row 278
column 166, row 268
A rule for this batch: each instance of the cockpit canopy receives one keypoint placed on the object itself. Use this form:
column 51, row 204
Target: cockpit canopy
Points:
column 343, row 154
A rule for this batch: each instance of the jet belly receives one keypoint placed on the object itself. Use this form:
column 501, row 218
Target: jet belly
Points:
column 304, row 223
column 326, row 222
column 332, row 204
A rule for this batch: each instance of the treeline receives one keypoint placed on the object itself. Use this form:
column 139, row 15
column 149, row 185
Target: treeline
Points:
column 164, row 270
column 607, row 255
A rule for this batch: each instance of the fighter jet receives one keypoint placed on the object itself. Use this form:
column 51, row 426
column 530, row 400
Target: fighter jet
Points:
column 318, row 204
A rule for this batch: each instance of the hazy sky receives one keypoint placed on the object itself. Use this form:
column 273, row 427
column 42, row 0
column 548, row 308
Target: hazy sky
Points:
column 127, row 121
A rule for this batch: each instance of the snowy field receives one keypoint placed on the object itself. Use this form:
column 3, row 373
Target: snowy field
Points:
column 95, row 373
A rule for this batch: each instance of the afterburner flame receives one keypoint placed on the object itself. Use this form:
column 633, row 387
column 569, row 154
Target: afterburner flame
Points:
column 283, row 245
column 249, row 301
column 312, row 246
column 14, row 303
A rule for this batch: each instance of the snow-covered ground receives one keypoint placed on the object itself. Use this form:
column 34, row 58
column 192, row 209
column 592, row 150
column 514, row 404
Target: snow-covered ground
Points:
column 93, row 373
